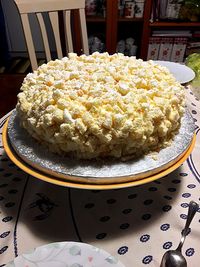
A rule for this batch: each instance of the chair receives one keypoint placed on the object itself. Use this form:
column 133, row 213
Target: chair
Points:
column 53, row 8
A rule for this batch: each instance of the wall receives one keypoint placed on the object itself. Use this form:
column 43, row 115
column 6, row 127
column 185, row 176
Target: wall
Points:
column 14, row 31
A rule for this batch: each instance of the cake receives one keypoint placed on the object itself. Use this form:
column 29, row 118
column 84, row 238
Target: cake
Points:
column 101, row 105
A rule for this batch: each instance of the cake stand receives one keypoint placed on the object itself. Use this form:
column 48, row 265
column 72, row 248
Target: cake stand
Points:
column 37, row 161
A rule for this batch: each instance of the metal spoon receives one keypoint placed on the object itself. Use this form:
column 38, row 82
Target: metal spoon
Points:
column 174, row 258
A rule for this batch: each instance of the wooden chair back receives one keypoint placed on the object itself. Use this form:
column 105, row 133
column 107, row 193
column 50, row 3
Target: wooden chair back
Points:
column 52, row 8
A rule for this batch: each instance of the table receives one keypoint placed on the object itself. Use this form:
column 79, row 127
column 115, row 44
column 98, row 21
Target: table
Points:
column 136, row 224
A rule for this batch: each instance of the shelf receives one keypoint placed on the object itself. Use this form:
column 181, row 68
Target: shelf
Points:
column 102, row 19
column 130, row 19
column 174, row 24
column 116, row 27
column 94, row 19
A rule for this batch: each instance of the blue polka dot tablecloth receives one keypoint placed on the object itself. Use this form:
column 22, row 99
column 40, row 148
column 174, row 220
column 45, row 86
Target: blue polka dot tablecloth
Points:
column 137, row 224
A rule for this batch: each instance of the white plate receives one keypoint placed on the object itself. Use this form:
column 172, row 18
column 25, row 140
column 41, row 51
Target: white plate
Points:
column 182, row 73
column 66, row 254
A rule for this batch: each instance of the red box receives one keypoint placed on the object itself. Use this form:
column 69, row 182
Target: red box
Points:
column 153, row 49
column 165, row 49
column 178, row 50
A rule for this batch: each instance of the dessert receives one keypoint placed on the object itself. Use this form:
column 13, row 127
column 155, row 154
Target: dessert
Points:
column 101, row 106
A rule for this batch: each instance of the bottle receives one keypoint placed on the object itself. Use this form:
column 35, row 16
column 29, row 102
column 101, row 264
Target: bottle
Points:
column 129, row 9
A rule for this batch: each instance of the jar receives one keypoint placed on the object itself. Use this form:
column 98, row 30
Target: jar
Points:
column 129, row 9
column 90, row 7
column 173, row 11
column 139, row 8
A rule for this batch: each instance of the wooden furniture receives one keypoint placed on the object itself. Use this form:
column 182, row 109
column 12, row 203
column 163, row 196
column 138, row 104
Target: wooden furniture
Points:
column 10, row 86
column 51, row 7
column 149, row 26
column 115, row 25
column 141, row 27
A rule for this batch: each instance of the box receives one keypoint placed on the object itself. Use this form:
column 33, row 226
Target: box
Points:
column 139, row 8
column 165, row 51
column 153, row 48
column 178, row 50
column 129, row 9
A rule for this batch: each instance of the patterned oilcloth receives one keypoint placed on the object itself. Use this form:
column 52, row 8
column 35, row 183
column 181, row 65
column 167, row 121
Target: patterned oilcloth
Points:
column 137, row 224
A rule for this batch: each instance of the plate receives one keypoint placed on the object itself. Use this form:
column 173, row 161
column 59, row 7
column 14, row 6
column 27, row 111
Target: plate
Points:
column 182, row 73
column 101, row 171
column 76, row 184
column 66, row 254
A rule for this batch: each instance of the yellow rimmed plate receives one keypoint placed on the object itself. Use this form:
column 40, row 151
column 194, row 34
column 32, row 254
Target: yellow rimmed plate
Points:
column 75, row 183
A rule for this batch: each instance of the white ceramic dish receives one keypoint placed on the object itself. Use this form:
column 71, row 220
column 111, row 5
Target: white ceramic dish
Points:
column 182, row 73
column 66, row 254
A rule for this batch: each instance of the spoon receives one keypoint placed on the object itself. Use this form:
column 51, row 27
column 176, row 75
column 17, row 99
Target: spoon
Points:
column 174, row 258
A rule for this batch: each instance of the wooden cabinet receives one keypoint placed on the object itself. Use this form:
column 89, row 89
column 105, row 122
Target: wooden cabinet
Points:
column 104, row 27
column 115, row 27
column 149, row 26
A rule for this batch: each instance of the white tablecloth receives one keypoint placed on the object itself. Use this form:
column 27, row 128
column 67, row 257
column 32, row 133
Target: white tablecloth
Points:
column 137, row 225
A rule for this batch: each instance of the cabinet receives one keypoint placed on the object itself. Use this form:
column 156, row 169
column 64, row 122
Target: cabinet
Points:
column 116, row 27
column 102, row 26
column 150, row 26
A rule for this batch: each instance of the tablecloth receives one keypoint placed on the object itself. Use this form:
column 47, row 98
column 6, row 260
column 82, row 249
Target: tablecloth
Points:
column 136, row 224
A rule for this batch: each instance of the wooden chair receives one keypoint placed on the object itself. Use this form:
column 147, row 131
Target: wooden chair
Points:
column 53, row 8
